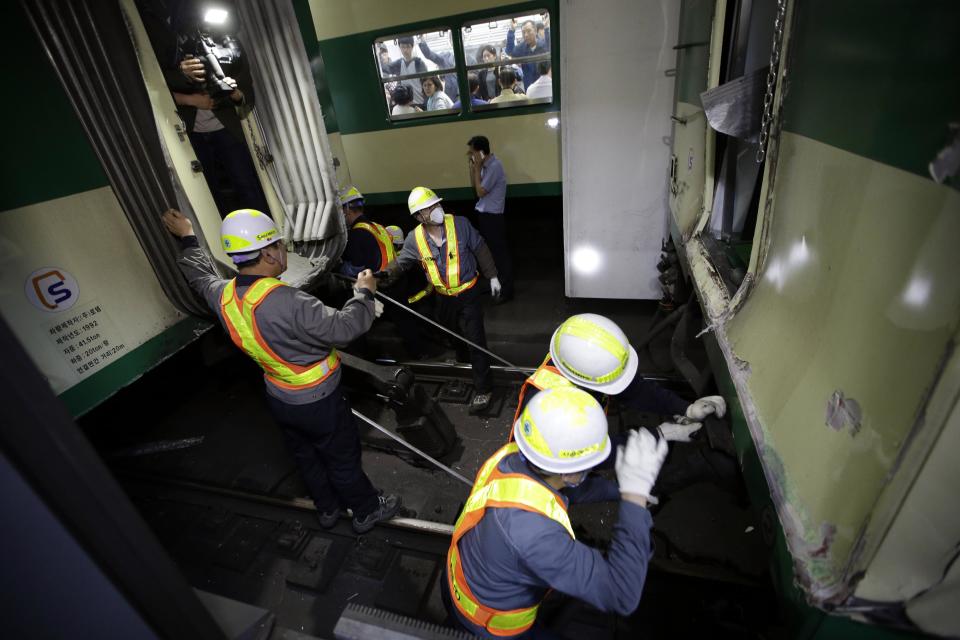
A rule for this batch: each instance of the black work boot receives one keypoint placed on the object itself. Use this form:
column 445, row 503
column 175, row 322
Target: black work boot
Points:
column 328, row 519
column 388, row 507
column 480, row 403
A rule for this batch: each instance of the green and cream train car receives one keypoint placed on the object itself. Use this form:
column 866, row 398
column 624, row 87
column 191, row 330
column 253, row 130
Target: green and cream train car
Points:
column 801, row 154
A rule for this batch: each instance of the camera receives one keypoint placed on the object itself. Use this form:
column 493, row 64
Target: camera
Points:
column 218, row 57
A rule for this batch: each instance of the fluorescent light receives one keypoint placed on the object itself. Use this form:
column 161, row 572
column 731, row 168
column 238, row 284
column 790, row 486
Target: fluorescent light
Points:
column 553, row 122
column 917, row 291
column 215, row 16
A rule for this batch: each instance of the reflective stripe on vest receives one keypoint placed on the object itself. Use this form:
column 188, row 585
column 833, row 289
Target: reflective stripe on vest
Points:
column 387, row 253
column 238, row 315
column 452, row 285
column 494, row 488
column 419, row 295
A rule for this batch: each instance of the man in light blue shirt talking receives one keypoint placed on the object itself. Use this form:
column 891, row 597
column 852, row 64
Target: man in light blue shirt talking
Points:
column 490, row 184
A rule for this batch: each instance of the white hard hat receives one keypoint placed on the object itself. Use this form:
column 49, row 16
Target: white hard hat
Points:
column 396, row 234
column 563, row 430
column 350, row 194
column 421, row 198
column 245, row 231
column 591, row 351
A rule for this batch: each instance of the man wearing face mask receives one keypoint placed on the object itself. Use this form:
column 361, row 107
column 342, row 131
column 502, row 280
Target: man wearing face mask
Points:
column 513, row 542
column 293, row 337
column 452, row 255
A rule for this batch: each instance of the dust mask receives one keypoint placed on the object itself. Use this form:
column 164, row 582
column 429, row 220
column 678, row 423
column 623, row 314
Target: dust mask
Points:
column 436, row 216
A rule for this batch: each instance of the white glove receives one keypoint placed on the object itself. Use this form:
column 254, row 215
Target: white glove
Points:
column 495, row 287
column 703, row 407
column 377, row 308
column 639, row 462
column 678, row 431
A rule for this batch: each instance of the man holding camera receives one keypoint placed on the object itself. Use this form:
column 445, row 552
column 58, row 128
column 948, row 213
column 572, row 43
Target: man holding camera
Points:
column 213, row 125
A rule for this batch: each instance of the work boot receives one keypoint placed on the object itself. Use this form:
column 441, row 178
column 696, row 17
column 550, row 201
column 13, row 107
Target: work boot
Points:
column 480, row 403
column 388, row 507
column 328, row 519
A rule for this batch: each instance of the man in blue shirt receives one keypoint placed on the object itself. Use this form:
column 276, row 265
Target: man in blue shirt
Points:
column 513, row 542
column 490, row 184
column 531, row 46
column 473, row 80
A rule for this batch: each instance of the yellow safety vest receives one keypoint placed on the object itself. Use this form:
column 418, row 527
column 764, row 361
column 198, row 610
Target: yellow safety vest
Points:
column 387, row 253
column 546, row 376
column 238, row 315
column 494, row 488
column 452, row 285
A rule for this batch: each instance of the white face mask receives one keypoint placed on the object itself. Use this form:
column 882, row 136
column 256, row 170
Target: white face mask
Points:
column 436, row 215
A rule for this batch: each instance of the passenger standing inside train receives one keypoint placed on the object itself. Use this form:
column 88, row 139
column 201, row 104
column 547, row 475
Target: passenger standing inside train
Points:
column 489, row 181
column 452, row 255
column 531, row 46
column 408, row 64
column 473, row 81
column 489, row 87
column 513, row 542
column 591, row 352
column 293, row 337
column 369, row 246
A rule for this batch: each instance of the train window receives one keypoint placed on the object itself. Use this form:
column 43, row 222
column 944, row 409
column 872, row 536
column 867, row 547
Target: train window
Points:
column 418, row 74
column 508, row 61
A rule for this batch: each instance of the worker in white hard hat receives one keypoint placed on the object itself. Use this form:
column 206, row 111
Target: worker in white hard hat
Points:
column 369, row 245
column 590, row 351
column 293, row 337
column 453, row 256
column 513, row 542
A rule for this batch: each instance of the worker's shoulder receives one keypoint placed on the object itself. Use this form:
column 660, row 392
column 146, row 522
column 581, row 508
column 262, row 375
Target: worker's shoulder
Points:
column 527, row 529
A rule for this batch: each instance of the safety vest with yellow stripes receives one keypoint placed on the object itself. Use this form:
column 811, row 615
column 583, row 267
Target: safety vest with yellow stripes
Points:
column 387, row 253
column 546, row 376
column 451, row 285
column 493, row 488
column 238, row 315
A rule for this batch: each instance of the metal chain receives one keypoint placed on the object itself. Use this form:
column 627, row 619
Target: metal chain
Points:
column 767, row 117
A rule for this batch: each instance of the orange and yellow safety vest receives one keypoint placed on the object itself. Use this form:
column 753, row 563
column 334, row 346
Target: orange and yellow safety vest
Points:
column 238, row 315
column 387, row 253
column 451, row 286
column 494, row 488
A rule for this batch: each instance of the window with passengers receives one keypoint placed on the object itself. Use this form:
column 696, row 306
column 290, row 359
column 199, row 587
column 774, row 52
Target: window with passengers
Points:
column 508, row 61
column 418, row 74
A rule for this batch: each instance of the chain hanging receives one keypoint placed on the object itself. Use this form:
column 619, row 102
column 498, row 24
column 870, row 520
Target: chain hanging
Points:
column 767, row 117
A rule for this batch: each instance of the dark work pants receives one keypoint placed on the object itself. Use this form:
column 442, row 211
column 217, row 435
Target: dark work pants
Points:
column 493, row 228
column 463, row 314
column 326, row 446
column 226, row 162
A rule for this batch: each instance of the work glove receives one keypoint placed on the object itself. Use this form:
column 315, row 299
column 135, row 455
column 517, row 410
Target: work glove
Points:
column 495, row 287
column 703, row 407
column 377, row 308
column 639, row 462
column 679, row 430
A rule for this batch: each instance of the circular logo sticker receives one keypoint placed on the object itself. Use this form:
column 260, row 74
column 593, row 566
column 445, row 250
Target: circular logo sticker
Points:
column 51, row 289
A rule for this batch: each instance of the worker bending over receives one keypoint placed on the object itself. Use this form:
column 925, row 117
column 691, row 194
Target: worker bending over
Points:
column 513, row 542
column 590, row 351
column 292, row 336
column 451, row 251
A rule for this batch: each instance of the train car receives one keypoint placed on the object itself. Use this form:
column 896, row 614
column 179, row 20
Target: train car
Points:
column 765, row 191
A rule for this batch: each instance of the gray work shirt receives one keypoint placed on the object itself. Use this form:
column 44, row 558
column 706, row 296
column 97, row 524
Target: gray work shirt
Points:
column 296, row 325
column 469, row 242
column 494, row 182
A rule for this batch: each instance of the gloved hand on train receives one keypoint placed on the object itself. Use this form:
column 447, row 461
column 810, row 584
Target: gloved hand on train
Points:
column 639, row 462
column 495, row 287
column 703, row 407
column 679, row 430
